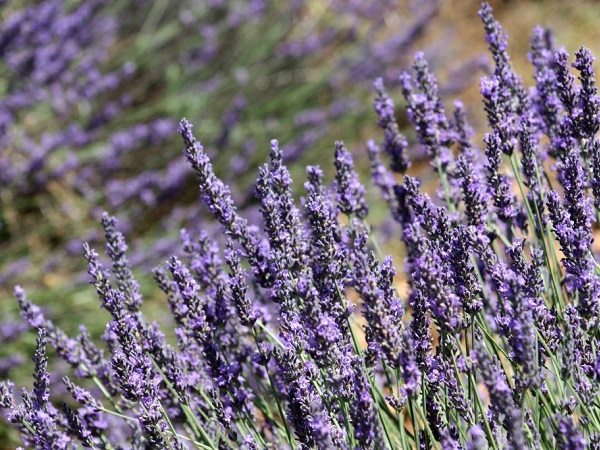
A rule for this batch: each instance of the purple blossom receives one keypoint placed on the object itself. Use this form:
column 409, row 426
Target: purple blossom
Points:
column 572, row 225
column 383, row 179
column 589, row 102
column 77, row 427
column 568, row 436
column 350, row 193
column 466, row 285
column 115, row 249
column 502, row 406
column 427, row 113
column 475, row 196
column 383, row 309
column 41, row 391
column 499, row 188
column 505, row 97
column 394, row 143
column 217, row 197
column 248, row 315
column 546, row 97
column 290, row 331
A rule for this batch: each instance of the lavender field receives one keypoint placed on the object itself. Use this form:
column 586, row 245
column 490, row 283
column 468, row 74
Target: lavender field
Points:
column 275, row 225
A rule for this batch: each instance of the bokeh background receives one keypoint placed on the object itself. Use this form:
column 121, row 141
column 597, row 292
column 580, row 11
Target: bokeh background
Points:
column 91, row 93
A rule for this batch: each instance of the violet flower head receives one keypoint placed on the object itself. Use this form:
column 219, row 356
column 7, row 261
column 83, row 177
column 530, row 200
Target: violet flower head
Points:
column 572, row 225
column 568, row 435
column 502, row 405
column 215, row 194
column 475, row 196
column 394, row 144
column 248, row 315
column 321, row 214
column 504, row 73
column 82, row 396
column 189, row 307
column 503, row 199
column 41, row 388
column 589, row 102
column 505, row 98
column 466, row 285
column 566, row 81
column 427, row 114
column 367, row 428
column 217, row 197
column 530, row 155
column 546, row 99
column 135, row 375
column 77, row 427
column 281, row 217
column 350, row 193
column 494, row 35
column 306, row 411
column 32, row 314
column 384, row 179
column 383, row 309
column 116, row 249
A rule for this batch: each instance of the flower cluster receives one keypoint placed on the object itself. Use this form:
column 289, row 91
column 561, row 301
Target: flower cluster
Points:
column 91, row 87
column 294, row 334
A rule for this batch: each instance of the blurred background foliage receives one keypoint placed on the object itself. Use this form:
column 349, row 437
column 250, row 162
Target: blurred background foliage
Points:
column 91, row 92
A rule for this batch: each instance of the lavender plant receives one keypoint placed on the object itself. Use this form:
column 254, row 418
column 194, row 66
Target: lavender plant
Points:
column 81, row 134
column 89, row 92
column 293, row 333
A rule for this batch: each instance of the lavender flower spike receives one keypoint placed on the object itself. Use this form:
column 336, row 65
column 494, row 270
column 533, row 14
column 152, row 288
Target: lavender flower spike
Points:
column 217, row 197
column 215, row 194
column 116, row 249
column 394, row 143
column 41, row 389
column 350, row 193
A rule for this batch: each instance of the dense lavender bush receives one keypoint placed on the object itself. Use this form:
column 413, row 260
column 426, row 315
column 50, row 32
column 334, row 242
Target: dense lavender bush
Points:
column 91, row 86
column 293, row 334
column 89, row 91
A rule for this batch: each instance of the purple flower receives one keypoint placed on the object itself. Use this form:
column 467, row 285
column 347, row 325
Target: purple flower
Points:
column 281, row 217
column 503, row 410
column 82, row 396
column 589, row 102
column 572, row 220
column 499, row 186
column 475, row 196
column 217, row 197
column 306, row 411
column 41, row 389
column 569, row 435
column 115, row 249
column 350, row 193
column 239, row 296
column 384, row 179
column 427, row 113
column 505, row 97
column 363, row 412
column 394, row 143
column 546, row 98
column 383, row 310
